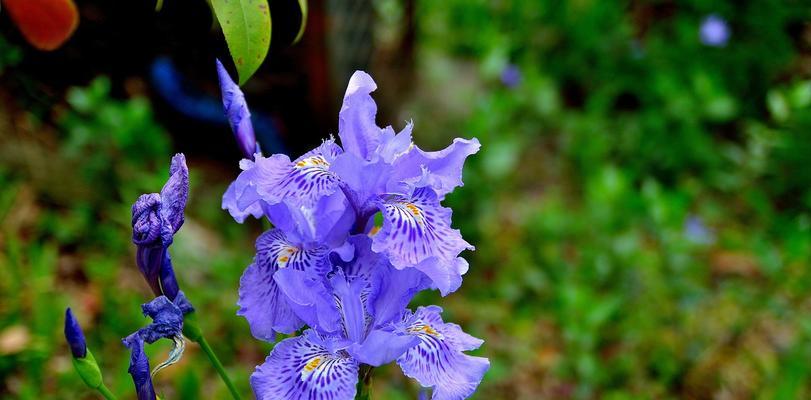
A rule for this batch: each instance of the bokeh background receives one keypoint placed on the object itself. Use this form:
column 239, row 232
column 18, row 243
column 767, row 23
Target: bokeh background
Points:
column 641, row 205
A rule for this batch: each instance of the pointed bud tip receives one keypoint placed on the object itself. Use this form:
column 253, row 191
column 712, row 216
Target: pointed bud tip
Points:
column 74, row 335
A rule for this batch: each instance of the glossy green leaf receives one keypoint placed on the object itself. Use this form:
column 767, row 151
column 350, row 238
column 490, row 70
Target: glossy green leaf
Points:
column 246, row 26
column 303, row 6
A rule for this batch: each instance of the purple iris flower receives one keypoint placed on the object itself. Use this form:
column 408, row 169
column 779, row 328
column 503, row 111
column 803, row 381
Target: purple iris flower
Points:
column 167, row 322
column 376, row 170
column 328, row 266
column 511, row 76
column 358, row 316
column 156, row 217
column 74, row 335
column 714, row 31
column 236, row 109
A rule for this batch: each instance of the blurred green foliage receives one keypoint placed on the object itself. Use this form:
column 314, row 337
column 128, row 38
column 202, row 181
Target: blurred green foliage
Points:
column 640, row 209
column 65, row 241
column 641, row 202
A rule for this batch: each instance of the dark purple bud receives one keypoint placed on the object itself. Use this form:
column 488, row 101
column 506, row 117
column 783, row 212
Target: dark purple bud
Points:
column 139, row 367
column 155, row 220
column 74, row 335
column 236, row 109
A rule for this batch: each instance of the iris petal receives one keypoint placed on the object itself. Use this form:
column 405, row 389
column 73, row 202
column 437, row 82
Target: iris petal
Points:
column 261, row 301
column 304, row 367
column 438, row 361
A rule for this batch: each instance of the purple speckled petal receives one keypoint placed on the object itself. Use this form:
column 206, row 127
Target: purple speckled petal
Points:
column 261, row 301
column 416, row 228
column 304, row 368
column 438, row 361
column 301, row 182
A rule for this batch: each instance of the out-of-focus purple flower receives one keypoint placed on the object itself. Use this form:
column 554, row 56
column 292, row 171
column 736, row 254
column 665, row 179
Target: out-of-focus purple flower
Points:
column 167, row 323
column 236, row 109
column 714, row 31
column 74, row 335
column 156, row 217
column 511, row 76
column 697, row 232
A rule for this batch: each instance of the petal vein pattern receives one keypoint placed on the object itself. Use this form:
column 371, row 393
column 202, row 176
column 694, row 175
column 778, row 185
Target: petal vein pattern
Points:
column 438, row 360
column 303, row 368
column 415, row 228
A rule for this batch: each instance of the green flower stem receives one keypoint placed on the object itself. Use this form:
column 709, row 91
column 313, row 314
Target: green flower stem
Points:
column 106, row 392
column 364, row 388
column 191, row 329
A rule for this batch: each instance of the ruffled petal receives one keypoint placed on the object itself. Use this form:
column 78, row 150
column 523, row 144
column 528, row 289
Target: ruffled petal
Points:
column 241, row 198
column 304, row 368
column 443, row 168
column 261, row 301
column 303, row 181
column 416, row 228
column 357, row 129
column 446, row 275
column 438, row 361
column 392, row 145
column 230, row 203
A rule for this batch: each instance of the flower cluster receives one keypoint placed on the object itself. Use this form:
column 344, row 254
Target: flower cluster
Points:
column 359, row 229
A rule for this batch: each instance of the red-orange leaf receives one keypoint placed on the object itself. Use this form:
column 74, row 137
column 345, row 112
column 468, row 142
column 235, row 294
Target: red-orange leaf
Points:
column 46, row 24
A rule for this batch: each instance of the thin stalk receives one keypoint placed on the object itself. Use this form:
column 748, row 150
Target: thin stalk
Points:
column 106, row 392
column 218, row 366
column 192, row 331
column 364, row 388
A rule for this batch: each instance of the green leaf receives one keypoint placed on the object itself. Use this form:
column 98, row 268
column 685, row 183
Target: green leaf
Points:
column 246, row 26
column 303, row 6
